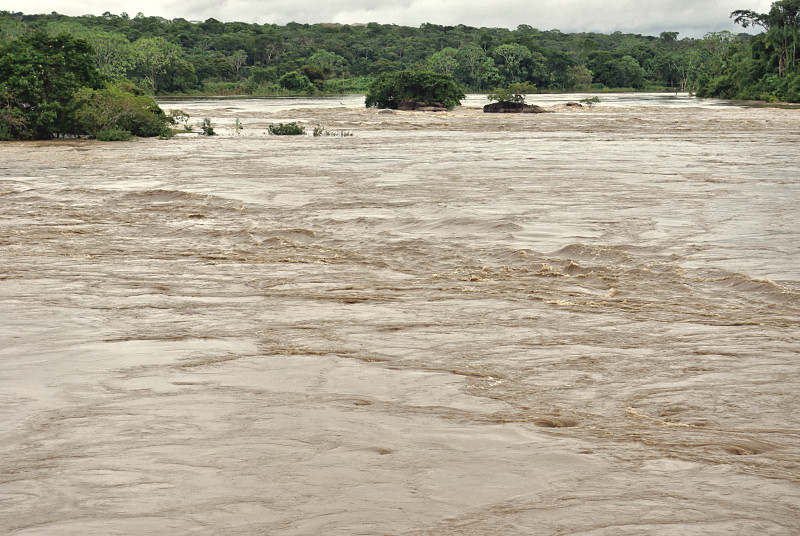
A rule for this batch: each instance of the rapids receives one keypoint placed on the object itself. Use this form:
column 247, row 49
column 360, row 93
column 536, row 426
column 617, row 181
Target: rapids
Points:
column 583, row 322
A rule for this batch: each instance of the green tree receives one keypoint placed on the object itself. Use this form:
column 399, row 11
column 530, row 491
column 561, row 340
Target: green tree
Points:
column 444, row 61
column 40, row 75
column 475, row 68
column 295, row 81
column 114, row 53
column 329, row 63
column 510, row 57
column 391, row 89
column 577, row 77
column 120, row 107
column 513, row 93
column 238, row 60
column 782, row 24
column 153, row 56
column 615, row 71
column 10, row 29
column 767, row 67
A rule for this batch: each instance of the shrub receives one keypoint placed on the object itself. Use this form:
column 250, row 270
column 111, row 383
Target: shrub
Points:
column 262, row 75
column 207, row 128
column 179, row 117
column 390, row 89
column 113, row 134
column 322, row 131
column 513, row 93
column 119, row 107
column 286, row 129
column 295, row 81
column 591, row 101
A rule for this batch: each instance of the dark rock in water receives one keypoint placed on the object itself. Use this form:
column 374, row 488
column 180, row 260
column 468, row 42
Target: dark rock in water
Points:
column 578, row 104
column 421, row 106
column 504, row 108
column 535, row 110
column 513, row 108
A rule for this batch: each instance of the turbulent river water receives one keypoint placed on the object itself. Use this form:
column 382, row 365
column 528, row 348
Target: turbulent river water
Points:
column 582, row 322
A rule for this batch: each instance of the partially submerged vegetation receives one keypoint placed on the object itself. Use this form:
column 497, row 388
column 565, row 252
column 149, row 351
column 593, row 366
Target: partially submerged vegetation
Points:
column 514, row 93
column 206, row 128
column 414, row 88
column 286, row 129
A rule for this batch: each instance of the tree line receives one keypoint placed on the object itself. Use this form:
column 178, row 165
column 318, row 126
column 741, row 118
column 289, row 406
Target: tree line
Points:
column 179, row 56
column 766, row 67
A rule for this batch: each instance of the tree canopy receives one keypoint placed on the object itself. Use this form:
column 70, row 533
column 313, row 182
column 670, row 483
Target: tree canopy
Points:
column 52, row 86
column 211, row 57
column 169, row 56
column 765, row 68
column 40, row 74
column 390, row 90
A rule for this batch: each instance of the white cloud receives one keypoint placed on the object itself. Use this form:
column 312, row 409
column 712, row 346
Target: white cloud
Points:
column 692, row 18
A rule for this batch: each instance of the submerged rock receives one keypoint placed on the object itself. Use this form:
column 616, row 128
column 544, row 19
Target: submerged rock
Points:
column 513, row 108
column 421, row 106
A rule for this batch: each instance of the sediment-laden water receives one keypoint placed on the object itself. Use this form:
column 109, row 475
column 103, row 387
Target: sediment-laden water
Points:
column 583, row 322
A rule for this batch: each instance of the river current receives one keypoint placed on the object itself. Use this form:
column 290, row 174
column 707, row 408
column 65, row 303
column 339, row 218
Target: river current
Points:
column 581, row 322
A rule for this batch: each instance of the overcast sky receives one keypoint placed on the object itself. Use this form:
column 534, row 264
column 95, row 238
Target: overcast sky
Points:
column 692, row 18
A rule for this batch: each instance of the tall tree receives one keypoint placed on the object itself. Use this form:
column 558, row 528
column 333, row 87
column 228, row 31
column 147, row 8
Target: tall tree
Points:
column 39, row 75
column 782, row 24
column 154, row 55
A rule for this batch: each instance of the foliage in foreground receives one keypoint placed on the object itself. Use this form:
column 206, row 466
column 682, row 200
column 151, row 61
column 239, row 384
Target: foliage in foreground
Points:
column 389, row 90
column 51, row 86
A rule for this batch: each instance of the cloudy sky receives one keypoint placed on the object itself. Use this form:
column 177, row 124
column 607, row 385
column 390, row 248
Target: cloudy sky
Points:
column 692, row 18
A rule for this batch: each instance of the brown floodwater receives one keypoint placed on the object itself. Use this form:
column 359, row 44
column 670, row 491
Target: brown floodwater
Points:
column 583, row 322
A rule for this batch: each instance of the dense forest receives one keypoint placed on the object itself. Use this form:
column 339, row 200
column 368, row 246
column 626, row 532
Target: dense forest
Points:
column 180, row 56
column 767, row 67
column 93, row 74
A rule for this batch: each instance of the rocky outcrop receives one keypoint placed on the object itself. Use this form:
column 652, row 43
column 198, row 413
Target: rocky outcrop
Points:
column 513, row 108
column 504, row 108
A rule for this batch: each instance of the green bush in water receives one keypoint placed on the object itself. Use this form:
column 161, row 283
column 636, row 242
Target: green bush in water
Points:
column 389, row 90
column 117, row 108
column 113, row 134
column 286, row 129
column 206, row 127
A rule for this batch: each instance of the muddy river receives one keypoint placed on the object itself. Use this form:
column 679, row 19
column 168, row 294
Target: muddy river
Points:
column 582, row 322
